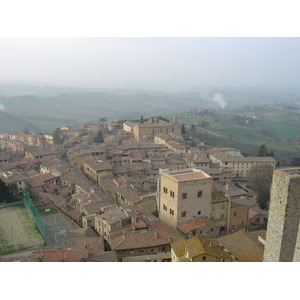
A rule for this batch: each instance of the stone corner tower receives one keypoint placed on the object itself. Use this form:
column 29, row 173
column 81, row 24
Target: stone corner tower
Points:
column 283, row 232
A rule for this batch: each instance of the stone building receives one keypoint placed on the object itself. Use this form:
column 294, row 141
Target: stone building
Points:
column 184, row 195
column 229, row 215
column 283, row 234
column 231, row 159
column 198, row 249
column 146, row 131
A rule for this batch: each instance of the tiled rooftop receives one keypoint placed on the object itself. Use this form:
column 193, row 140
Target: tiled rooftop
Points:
column 243, row 246
column 187, row 174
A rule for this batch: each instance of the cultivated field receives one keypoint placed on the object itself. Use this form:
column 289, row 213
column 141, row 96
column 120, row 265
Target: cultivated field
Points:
column 18, row 230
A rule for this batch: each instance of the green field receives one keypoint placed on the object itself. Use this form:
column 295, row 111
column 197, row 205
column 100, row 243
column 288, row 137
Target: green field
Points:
column 279, row 129
column 42, row 210
column 18, row 230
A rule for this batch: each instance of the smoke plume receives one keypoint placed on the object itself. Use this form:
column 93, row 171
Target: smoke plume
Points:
column 218, row 97
column 2, row 107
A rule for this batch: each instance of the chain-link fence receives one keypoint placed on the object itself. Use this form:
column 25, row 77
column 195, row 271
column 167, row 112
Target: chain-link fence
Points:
column 36, row 215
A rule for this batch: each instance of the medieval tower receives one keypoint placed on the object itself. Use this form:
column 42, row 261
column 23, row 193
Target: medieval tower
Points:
column 283, row 231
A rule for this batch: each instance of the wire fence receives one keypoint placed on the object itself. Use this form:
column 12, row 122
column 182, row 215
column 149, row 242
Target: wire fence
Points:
column 39, row 220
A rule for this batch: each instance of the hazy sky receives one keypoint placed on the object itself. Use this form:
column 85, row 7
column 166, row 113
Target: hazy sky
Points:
column 152, row 62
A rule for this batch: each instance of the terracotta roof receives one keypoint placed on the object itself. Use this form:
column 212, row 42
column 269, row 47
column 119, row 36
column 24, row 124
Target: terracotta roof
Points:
column 199, row 246
column 190, row 225
column 254, row 211
column 189, row 176
column 107, row 256
column 241, row 245
column 143, row 239
column 73, row 255
column 114, row 215
column 24, row 162
column 179, row 247
column 194, row 247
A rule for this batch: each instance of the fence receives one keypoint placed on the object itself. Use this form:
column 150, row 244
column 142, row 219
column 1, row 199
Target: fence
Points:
column 39, row 220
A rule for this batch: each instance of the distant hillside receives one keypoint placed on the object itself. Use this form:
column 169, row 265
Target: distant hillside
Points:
column 10, row 123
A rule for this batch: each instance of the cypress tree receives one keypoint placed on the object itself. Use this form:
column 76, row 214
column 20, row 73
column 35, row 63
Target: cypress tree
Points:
column 182, row 129
column 99, row 137
column 263, row 151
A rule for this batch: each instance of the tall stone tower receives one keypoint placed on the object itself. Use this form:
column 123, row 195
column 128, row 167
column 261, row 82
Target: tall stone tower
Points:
column 184, row 195
column 283, row 231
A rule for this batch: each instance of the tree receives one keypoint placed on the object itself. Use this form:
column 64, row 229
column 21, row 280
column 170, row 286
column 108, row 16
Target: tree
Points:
column 261, row 177
column 5, row 194
column 13, row 188
column 193, row 128
column 99, row 137
column 271, row 153
column 295, row 161
column 57, row 139
column 263, row 151
column 182, row 129
column 103, row 119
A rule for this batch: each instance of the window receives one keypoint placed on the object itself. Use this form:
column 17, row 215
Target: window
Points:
column 183, row 214
column 204, row 258
column 184, row 195
column 199, row 194
column 234, row 214
column 171, row 212
column 172, row 194
column 199, row 212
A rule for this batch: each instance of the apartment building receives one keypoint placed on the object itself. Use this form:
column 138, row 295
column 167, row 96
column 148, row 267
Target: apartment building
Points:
column 228, row 159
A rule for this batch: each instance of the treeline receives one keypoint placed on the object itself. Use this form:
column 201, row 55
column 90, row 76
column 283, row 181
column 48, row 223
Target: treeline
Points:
column 120, row 122
column 15, row 123
column 8, row 193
